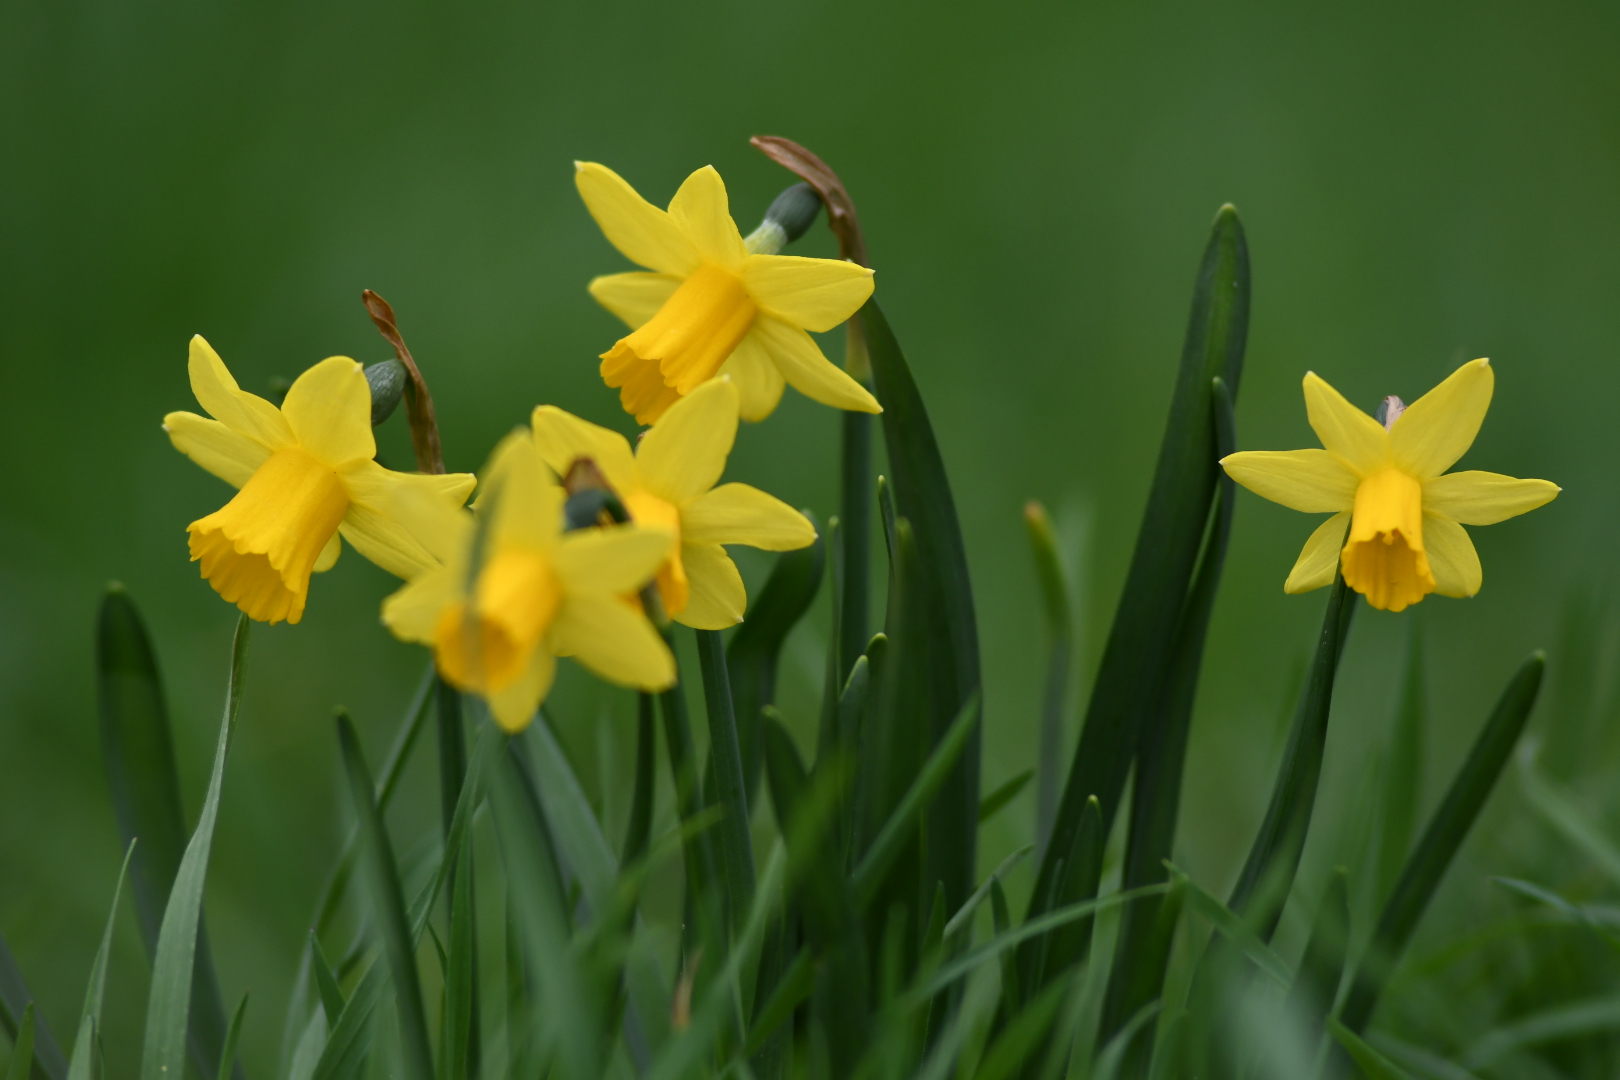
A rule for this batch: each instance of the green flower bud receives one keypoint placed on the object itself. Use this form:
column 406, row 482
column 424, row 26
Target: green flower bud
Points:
column 387, row 381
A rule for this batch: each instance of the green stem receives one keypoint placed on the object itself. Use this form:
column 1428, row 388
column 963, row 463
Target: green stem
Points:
column 641, row 804
column 736, row 843
column 858, row 494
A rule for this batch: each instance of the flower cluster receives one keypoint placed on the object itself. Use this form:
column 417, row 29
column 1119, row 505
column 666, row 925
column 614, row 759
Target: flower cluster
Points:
column 502, row 589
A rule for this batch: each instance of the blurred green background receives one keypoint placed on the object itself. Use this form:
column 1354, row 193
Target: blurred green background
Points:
column 1421, row 185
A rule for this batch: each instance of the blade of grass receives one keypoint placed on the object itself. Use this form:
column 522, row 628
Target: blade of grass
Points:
column 923, row 496
column 138, row 751
column 169, row 1000
column 1559, row 810
column 961, row 923
column 21, row 1061
column 639, row 828
column 382, row 875
column 326, row 981
column 1137, row 654
column 1059, row 657
column 1404, row 784
column 1589, row 1017
column 232, row 1035
column 14, row 1002
column 1578, row 914
column 1321, row 968
column 991, row 804
column 1233, row 927
column 725, row 757
column 755, row 648
column 84, row 1063
column 1373, row 1065
column 1142, row 947
column 1447, row 829
column 459, row 1029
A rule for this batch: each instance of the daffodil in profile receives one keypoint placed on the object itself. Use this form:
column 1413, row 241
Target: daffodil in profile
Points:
column 1398, row 515
column 709, row 305
column 307, row 475
column 669, row 483
column 515, row 592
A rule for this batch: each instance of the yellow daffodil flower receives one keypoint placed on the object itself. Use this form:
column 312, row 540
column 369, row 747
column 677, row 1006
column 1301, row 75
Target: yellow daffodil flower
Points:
column 669, row 483
column 540, row 593
column 1388, row 484
column 306, row 476
column 711, row 305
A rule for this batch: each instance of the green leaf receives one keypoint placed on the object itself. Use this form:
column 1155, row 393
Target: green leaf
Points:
column 991, row 804
column 21, row 1062
column 1233, row 927
column 84, row 1065
column 702, row 862
column 14, row 1002
column 930, row 780
column 326, row 981
column 856, row 496
column 458, row 1031
column 1557, row 809
column 1445, row 834
column 232, row 1034
column 922, row 495
column 1374, row 1066
column 755, row 648
column 1571, row 1020
column 348, row 1041
column 138, row 750
column 388, row 905
column 1137, row 656
column 1142, row 946
column 1112, row 1056
column 169, row 1000
column 961, row 922
column 1316, row 983
column 1059, row 658
column 1575, row 913
column 1023, row 1036
column 1268, row 874
column 725, row 758
column 791, row 990
column 644, row 787
column 1403, row 786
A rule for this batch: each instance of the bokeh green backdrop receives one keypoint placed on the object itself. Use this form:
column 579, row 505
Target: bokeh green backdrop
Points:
column 1421, row 185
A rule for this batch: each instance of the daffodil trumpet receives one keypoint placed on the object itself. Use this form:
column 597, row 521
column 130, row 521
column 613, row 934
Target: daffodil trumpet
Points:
column 1397, row 527
column 306, row 476
column 669, row 482
column 514, row 591
column 710, row 305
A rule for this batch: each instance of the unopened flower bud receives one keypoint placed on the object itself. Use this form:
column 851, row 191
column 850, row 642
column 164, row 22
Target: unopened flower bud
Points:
column 387, row 381
column 788, row 218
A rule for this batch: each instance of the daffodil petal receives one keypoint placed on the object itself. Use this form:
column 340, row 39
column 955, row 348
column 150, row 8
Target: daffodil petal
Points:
column 228, row 454
column 634, row 297
column 799, row 359
column 616, row 560
column 386, row 542
column 685, row 452
column 522, row 494
column 739, row 514
column 613, row 639
column 561, row 437
column 1312, row 481
column 329, row 410
column 426, row 507
column 1452, row 558
column 329, row 554
column 1318, row 563
column 1439, row 427
column 1346, row 432
column 242, row 412
column 701, row 209
column 718, row 598
column 643, row 233
column 1484, row 498
column 816, row 294
column 759, row 384
column 514, row 705
column 412, row 613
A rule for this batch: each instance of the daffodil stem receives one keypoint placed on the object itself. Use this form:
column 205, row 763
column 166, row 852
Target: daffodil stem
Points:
column 736, row 844
column 639, row 830
column 859, row 493
column 701, row 867
column 452, row 748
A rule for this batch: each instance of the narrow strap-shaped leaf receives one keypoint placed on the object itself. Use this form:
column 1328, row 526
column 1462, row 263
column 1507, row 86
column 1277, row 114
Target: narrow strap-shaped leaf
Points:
column 991, row 804
column 1059, row 657
column 923, row 496
column 1373, row 1065
column 21, row 1061
column 725, row 758
column 1135, row 659
column 232, row 1035
column 1233, row 927
column 1557, row 809
column 326, row 981
column 791, row 990
column 459, row 1030
column 1447, row 829
column 1023, row 1036
column 856, row 497
column 701, row 861
column 1274, row 856
column 755, row 648
column 1316, row 983
column 14, row 1002
column 83, row 1064
column 1403, row 782
column 1579, row 914
column 1142, row 947
column 348, row 1040
column 138, row 750
column 388, row 903
column 639, row 828
column 1111, row 1058
column 1567, row 1020
column 169, row 1001
column 930, row 780
column 961, row 922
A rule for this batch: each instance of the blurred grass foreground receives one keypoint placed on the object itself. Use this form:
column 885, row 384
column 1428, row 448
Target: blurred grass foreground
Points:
column 646, row 772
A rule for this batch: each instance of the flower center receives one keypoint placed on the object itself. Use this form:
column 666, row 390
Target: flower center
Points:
column 487, row 649
column 683, row 345
column 1383, row 558
column 648, row 509
column 259, row 549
